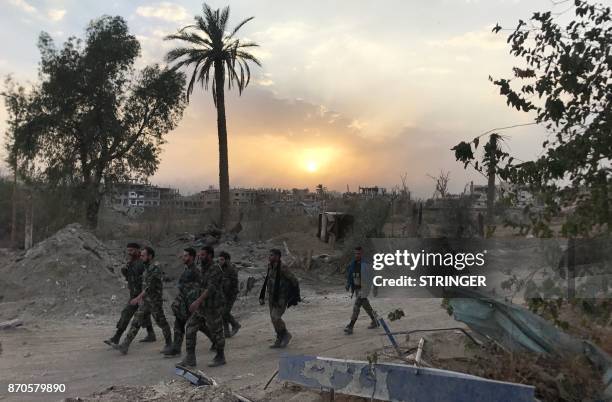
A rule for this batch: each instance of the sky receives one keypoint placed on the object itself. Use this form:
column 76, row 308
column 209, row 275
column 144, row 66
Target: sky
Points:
column 351, row 92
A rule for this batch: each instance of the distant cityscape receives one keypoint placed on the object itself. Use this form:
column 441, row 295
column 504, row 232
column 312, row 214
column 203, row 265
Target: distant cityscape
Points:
column 143, row 196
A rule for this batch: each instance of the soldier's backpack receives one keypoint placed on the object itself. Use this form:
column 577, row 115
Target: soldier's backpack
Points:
column 293, row 295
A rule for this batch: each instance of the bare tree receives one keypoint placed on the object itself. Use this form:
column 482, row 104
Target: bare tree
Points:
column 441, row 184
column 404, row 189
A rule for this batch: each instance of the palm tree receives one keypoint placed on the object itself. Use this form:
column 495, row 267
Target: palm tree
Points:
column 216, row 56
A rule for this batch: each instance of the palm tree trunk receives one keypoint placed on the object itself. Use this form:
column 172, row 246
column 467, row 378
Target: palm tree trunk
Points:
column 491, row 197
column 223, row 154
column 492, row 168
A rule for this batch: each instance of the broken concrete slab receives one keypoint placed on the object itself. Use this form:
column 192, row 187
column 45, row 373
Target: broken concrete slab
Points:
column 397, row 382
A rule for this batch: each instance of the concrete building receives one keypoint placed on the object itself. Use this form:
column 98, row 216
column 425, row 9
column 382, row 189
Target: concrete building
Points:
column 129, row 195
column 519, row 196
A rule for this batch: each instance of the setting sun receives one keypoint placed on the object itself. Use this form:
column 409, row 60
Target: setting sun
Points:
column 312, row 166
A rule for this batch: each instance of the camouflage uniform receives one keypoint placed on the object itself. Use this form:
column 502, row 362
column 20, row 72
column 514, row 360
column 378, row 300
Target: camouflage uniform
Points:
column 153, row 304
column 209, row 317
column 277, row 300
column 230, row 291
column 132, row 272
column 188, row 287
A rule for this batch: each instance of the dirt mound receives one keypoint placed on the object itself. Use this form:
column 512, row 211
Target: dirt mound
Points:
column 70, row 273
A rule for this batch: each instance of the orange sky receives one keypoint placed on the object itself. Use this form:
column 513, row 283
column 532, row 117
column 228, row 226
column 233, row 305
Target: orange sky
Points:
column 350, row 92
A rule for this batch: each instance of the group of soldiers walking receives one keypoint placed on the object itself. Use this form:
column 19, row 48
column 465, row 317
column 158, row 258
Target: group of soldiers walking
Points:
column 207, row 291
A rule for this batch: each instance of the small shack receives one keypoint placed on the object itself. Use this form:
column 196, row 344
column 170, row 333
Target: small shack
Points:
column 334, row 226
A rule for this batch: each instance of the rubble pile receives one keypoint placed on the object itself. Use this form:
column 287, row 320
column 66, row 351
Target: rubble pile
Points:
column 70, row 273
column 165, row 391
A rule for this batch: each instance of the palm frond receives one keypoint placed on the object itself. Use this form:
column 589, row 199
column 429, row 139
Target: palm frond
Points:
column 224, row 18
column 237, row 27
column 248, row 56
column 202, row 25
column 208, row 47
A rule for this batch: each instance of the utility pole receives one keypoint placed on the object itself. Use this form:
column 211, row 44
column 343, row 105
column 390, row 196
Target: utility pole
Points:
column 14, row 208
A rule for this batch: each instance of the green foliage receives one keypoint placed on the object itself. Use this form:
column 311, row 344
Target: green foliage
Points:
column 211, row 48
column 564, row 81
column 93, row 120
column 491, row 158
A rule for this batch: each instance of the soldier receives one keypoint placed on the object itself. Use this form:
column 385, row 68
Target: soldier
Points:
column 206, row 259
column 279, row 284
column 207, row 313
column 133, row 274
column 188, row 287
column 230, row 291
column 358, row 281
column 150, row 302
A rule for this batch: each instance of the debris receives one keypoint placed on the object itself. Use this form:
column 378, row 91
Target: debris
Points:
column 390, row 336
column 270, row 380
column 397, row 382
column 11, row 324
column 419, row 352
column 396, row 314
column 51, row 273
column 196, row 377
column 467, row 334
column 517, row 329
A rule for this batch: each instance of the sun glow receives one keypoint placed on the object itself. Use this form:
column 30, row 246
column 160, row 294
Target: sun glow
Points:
column 312, row 166
column 315, row 161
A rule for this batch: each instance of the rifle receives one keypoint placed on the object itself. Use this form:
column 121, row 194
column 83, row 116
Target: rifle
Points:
column 262, row 293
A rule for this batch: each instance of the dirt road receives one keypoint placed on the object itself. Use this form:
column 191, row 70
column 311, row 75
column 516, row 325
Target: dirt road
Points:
column 72, row 353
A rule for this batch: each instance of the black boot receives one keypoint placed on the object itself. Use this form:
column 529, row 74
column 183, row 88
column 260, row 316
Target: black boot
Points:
column 285, row 339
column 123, row 347
column 219, row 359
column 150, row 336
column 114, row 340
column 349, row 328
column 235, row 328
column 277, row 342
column 374, row 324
column 189, row 360
column 176, row 345
column 169, row 345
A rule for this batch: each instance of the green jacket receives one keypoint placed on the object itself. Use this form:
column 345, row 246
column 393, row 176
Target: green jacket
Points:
column 212, row 281
column 133, row 272
column 153, row 285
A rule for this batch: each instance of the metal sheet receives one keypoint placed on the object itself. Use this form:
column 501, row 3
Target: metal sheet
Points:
column 397, row 382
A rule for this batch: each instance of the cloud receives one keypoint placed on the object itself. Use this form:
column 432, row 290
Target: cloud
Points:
column 481, row 39
column 23, row 5
column 56, row 14
column 265, row 81
column 429, row 70
column 165, row 11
